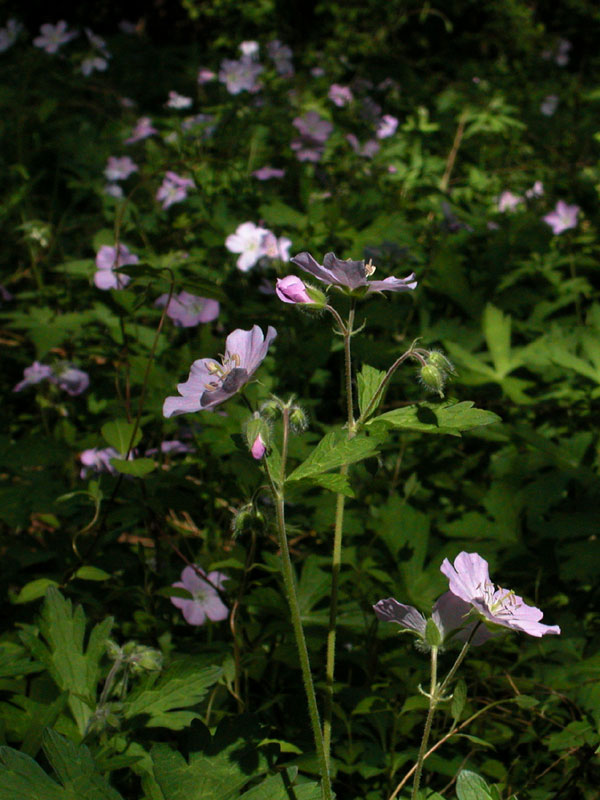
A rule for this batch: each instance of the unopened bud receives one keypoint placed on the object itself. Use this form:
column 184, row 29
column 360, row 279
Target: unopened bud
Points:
column 439, row 361
column 298, row 419
column 113, row 651
column 432, row 379
column 245, row 518
column 270, row 409
column 257, row 434
column 433, row 635
column 144, row 659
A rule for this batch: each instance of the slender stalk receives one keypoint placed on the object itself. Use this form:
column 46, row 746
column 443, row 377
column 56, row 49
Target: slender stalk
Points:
column 292, row 595
column 410, row 353
column 433, row 700
column 336, row 558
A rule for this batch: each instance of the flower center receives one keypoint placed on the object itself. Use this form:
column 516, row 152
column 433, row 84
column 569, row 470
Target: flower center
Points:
column 228, row 376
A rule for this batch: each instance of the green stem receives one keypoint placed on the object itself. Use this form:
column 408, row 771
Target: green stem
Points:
column 373, row 402
column 433, row 700
column 290, row 588
column 336, row 558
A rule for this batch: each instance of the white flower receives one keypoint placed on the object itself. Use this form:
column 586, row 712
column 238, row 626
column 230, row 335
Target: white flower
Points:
column 53, row 36
column 248, row 240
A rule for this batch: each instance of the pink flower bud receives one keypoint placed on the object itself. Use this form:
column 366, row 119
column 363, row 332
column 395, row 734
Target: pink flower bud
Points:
column 258, row 449
column 292, row 290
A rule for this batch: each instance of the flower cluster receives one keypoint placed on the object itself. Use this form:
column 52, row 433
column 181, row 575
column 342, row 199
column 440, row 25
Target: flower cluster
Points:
column 254, row 242
column 472, row 608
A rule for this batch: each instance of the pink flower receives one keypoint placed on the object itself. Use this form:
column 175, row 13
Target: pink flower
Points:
column 143, row 128
column 259, row 448
column 537, row 190
column 508, row 201
column 248, row 241
column 549, row 105
column 211, row 383
column 266, row 173
column 186, row 310
column 36, row 373
column 367, row 150
column 562, row 218
column 282, row 58
column 118, row 169
column 249, row 49
column 292, row 290
column 205, row 602
column 177, row 100
column 340, row 95
column 53, row 36
column 276, row 248
column 173, row 189
column 387, row 127
column 74, row 381
column 470, row 581
column 240, row 76
column 107, row 260
column 205, row 75
column 98, row 460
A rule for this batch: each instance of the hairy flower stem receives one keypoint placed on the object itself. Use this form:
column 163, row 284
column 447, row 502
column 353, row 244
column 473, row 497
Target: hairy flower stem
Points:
column 292, row 596
column 336, row 559
column 433, row 701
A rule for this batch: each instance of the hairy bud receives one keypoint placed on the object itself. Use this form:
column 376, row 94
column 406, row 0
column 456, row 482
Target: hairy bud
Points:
column 432, row 379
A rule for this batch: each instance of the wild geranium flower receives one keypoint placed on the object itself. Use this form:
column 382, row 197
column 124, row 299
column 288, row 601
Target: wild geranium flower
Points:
column 387, row 127
column 508, row 201
column 281, row 55
column 562, row 218
column 340, row 95
column 205, row 602
column 351, row 274
column 118, row 169
column 537, row 190
column 205, row 75
column 93, row 63
column 240, row 76
column 74, row 381
column 248, row 241
column 249, row 49
column 549, row 105
column 187, row 310
column 52, row 37
column 173, row 189
column 171, row 447
column 314, row 132
column 211, row 383
column 9, row 34
column 292, row 290
column 276, row 248
column 177, row 100
column 266, row 173
column 470, row 581
column 113, row 190
column 107, row 260
column 97, row 460
column 367, row 150
column 143, row 128
column 36, row 373
column 258, row 448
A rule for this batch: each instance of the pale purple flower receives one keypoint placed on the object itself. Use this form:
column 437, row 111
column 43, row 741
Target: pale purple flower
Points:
column 249, row 49
column 107, row 260
column 205, row 602
column 211, row 383
column 313, row 128
column 118, row 169
column 367, row 150
column 187, row 310
column 72, row 380
column 351, row 274
column 98, row 460
column 508, row 201
column 258, row 448
column 143, row 128
column 173, row 189
column 450, row 614
column 387, row 127
column 9, row 34
column 239, row 76
column 113, row 190
column 88, row 65
column 562, row 218
column 537, row 190
column 549, row 105
column 36, row 373
column 292, row 290
column 266, row 173
column 248, row 241
column 171, row 447
column 53, row 36
column 281, row 55
column 470, row 581
column 276, row 248
column 96, row 41
column 340, row 95
column 177, row 100
column 205, row 75
column 317, row 72
column 562, row 52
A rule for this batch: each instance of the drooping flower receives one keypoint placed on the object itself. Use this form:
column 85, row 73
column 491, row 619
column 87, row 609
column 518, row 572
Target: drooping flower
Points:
column 205, row 602
column 107, row 260
column 508, row 202
column 173, row 189
column 52, row 37
column 266, row 173
column 562, row 218
column 177, row 100
column 36, row 373
column 351, row 274
column 470, row 581
column 9, row 34
column 240, row 76
column 143, row 128
column 74, row 381
column 387, row 127
column 340, row 95
column 97, row 460
column 187, row 310
column 248, row 241
column 549, row 105
column 292, row 290
column 211, row 383
column 118, row 169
